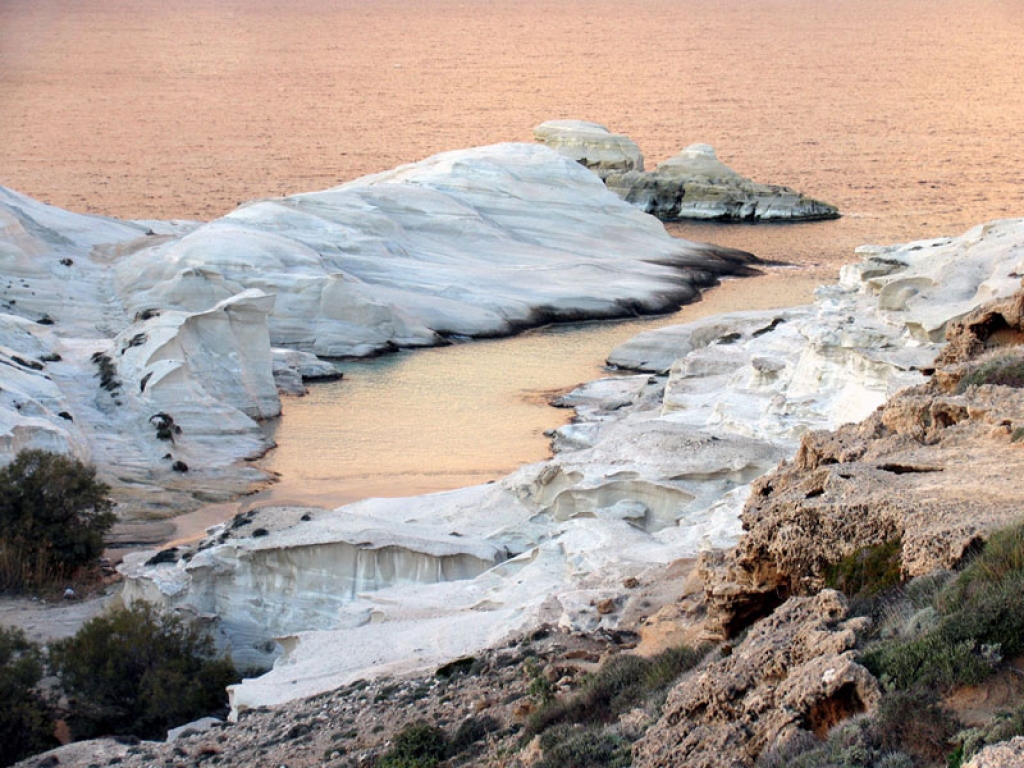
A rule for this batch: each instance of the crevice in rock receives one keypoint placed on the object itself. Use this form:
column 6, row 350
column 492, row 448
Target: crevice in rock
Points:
column 906, row 469
column 827, row 713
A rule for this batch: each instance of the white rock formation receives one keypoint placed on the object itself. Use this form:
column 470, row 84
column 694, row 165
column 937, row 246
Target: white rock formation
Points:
column 694, row 184
column 653, row 469
column 478, row 242
column 591, row 145
column 176, row 319
column 79, row 376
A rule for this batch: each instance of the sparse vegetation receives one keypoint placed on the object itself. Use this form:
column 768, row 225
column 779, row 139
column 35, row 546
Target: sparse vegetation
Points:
column 25, row 726
column 53, row 515
column 867, row 572
column 138, row 671
column 1006, row 370
column 979, row 620
column 624, row 682
column 575, row 746
column 419, row 745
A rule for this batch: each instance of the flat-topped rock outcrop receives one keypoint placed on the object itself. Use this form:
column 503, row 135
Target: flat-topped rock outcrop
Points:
column 591, row 145
column 694, row 184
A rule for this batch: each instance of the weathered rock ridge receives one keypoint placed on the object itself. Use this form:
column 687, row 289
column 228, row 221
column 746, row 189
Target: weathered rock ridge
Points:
column 795, row 673
column 153, row 349
column 694, row 184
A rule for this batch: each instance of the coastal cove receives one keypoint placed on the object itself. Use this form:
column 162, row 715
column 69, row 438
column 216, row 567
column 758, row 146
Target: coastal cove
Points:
column 402, row 398
column 430, row 420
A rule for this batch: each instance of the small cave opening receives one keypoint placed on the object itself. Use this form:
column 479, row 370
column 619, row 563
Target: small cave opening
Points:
column 827, row 713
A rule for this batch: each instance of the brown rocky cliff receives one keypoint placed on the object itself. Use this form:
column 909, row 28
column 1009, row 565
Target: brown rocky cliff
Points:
column 937, row 468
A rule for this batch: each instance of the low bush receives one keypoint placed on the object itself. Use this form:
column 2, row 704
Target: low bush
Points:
column 419, row 745
column 25, row 724
column 980, row 621
column 1003, row 727
column 625, row 681
column 1005, row 370
column 138, row 671
column 578, row 746
column 852, row 744
column 867, row 572
column 53, row 515
column 910, row 729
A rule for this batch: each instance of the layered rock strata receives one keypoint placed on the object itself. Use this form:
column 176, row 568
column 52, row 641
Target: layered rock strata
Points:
column 693, row 184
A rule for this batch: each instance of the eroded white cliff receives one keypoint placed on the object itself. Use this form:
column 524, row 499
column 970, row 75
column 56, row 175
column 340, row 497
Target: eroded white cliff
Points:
column 654, row 468
column 147, row 348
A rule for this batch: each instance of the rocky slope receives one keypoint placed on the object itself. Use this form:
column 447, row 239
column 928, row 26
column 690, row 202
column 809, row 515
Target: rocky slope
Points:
column 693, row 184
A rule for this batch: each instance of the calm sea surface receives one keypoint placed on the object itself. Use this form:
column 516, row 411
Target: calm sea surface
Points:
column 907, row 114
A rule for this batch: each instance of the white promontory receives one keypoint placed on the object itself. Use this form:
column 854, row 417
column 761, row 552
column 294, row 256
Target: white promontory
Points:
column 153, row 349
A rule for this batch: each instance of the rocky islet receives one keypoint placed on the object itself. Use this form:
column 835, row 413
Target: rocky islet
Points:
column 694, row 184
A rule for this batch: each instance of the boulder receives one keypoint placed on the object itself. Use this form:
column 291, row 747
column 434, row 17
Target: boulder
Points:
column 591, row 145
column 795, row 672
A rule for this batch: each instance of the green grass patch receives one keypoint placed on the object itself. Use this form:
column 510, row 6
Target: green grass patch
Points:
column 624, row 682
column 980, row 621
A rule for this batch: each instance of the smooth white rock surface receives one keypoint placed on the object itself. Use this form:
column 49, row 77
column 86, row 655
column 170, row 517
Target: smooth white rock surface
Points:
column 591, row 145
column 656, row 468
column 188, row 316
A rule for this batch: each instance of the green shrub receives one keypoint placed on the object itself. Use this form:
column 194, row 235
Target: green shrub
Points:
column 1006, row 370
column 419, row 745
column 137, row 671
column 53, row 515
column 25, row 726
column 577, row 746
column 980, row 621
column 625, row 681
column 867, row 572
column 915, row 722
column 909, row 729
column 1001, row 559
